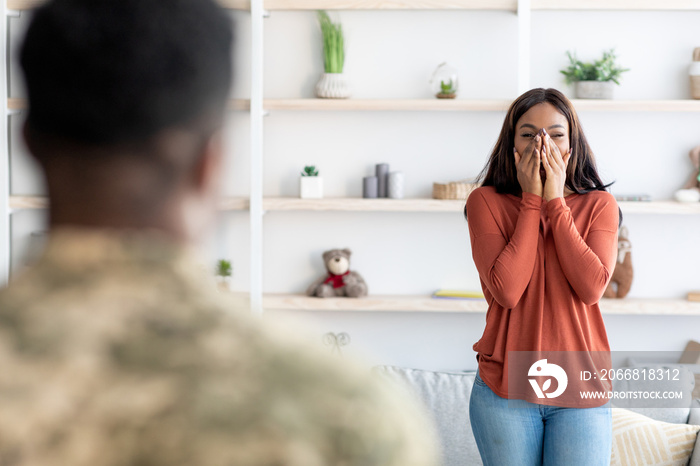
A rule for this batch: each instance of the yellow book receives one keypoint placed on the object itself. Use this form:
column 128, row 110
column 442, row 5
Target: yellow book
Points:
column 458, row 294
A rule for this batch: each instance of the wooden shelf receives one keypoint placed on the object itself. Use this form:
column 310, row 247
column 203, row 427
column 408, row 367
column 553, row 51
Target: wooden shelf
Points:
column 464, row 105
column 650, row 306
column 363, row 205
column 630, row 306
column 28, row 202
column 373, row 303
column 383, row 205
column 660, row 207
column 430, row 105
column 437, row 205
column 508, row 5
column 15, row 103
column 504, row 5
column 626, row 5
column 637, row 105
column 38, row 202
column 29, row 4
column 455, row 105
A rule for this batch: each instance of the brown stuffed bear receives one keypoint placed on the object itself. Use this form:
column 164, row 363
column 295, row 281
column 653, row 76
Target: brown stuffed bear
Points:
column 694, row 181
column 339, row 281
column 621, row 281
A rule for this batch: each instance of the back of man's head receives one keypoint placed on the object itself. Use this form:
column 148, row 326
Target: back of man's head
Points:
column 104, row 72
column 126, row 100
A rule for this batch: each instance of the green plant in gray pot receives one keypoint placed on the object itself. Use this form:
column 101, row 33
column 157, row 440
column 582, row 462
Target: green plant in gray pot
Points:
column 594, row 80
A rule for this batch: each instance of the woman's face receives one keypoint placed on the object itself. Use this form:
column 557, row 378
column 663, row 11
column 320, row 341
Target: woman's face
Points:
column 544, row 115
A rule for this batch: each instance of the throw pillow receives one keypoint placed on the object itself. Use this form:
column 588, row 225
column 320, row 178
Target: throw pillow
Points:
column 640, row 440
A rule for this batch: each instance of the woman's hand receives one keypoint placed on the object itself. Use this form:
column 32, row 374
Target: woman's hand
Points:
column 528, row 167
column 555, row 167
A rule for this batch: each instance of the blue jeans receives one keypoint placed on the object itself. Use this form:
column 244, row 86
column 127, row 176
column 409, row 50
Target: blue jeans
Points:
column 518, row 433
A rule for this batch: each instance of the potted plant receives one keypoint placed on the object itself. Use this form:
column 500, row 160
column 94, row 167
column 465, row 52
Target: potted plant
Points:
column 224, row 270
column 333, row 84
column 311, row 185
column 594, row 80
column 445, row 82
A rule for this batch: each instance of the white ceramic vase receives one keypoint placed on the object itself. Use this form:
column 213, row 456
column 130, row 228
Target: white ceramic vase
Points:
column 311, row 187
column 333, row 86
column 595, row 89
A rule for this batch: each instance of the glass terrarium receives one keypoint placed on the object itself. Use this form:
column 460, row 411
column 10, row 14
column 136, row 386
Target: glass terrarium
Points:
column 445, row 82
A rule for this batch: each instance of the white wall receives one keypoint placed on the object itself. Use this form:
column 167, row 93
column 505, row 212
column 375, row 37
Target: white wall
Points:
column 391, row 54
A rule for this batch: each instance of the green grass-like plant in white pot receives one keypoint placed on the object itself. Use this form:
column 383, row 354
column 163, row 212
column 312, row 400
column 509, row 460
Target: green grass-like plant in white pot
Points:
column 224, row 271
column 310, row 184
column 594, row 80
column 333, row 84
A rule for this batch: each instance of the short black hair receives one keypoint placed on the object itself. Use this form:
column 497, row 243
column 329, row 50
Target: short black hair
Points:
column 107, row 72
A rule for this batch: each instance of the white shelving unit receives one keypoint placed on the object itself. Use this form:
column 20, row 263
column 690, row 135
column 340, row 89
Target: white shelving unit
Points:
column 5, row 246
column 257, row 205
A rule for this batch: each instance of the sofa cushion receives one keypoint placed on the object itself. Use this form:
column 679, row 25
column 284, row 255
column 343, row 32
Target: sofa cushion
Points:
column 640, row 440
column 446, row 397
column 668, row 410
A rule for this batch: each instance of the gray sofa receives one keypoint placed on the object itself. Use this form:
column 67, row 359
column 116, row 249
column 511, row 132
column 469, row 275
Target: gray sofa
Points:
column 445, row 395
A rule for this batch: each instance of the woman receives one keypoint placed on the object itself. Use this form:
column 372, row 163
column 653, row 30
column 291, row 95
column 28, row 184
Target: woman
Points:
column 543, row 233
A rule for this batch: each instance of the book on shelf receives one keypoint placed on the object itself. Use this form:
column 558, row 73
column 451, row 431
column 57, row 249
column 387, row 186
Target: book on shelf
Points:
column 458, row 294
column 633, row 198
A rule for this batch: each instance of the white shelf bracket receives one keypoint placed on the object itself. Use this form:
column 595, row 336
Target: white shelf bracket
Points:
column 256, row 156
column 5, row 211
column 13, row 13
column 524, row 47
column 266, row 13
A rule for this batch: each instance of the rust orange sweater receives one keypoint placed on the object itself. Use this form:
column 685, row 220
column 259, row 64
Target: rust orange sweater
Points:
column 543, row 268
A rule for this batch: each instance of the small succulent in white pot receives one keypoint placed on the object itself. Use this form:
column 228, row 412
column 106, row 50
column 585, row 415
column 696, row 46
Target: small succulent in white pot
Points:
column 310, row 184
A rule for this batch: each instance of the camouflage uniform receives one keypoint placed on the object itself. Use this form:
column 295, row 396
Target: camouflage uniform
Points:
column 115, row 350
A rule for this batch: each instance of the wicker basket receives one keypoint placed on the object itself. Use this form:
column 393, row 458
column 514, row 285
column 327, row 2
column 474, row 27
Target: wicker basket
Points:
column 456, row 190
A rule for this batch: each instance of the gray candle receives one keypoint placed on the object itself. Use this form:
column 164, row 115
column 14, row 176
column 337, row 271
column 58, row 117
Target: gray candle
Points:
column 382, row 178
column 396, row 185
column 370, row 187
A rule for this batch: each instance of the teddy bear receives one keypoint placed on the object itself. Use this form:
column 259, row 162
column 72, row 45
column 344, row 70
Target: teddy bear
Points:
column 691, row 190
column 339, row 281
column 621, row 280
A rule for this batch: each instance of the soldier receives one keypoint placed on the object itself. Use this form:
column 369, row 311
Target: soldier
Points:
column 113, row 349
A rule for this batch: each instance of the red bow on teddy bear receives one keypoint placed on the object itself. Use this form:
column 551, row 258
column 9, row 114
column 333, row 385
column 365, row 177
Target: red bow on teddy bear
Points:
column 336, row 280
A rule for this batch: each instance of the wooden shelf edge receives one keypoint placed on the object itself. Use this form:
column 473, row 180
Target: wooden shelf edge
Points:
column 372, row 304
column 660, row 208
column 28, row 202
column 374, row 105
column 362, row 205
column 486, row 5
column 15, row 103
column 39, row 202
column 30, row 4
column 287, row 204
column 629, row 306
column 649, row 306
column 436, row 105
column 505, row 5
column 622, row 5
